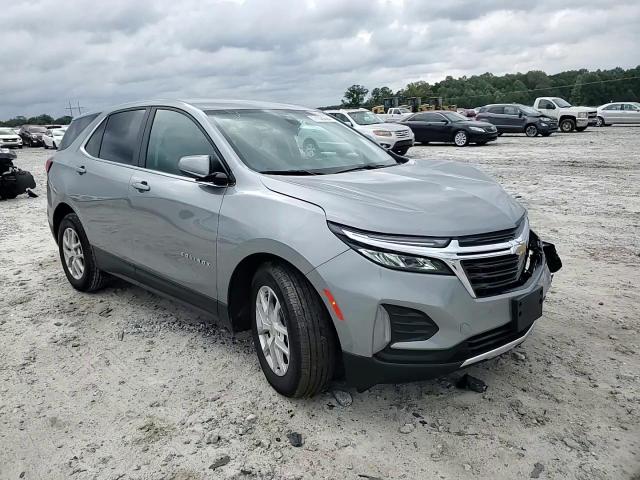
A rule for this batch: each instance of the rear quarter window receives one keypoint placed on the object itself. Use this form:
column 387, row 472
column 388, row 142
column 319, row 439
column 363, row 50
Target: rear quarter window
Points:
column 76, row 127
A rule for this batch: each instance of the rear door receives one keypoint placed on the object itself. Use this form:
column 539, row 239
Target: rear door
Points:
column 631, row 113
column 176, row 218
column 495, row 115
column 100, row 192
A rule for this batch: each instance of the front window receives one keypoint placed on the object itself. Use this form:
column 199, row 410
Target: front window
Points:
column 561, row 103
column 297, row 142
column 6, row 131
column 365, row 118
column 455, row 117
column 37, row 129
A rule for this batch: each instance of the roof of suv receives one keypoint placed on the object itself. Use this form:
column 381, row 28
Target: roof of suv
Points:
column 347, row 110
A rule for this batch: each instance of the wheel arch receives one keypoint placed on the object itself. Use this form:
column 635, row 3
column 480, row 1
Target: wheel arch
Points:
column 61, row 211
column 567, row 116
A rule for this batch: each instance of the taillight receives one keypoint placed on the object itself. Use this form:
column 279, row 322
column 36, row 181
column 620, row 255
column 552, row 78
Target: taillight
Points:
column 47, row 164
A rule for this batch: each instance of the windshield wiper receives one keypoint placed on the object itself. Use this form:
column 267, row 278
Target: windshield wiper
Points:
column 364, row 167
column 289, row 172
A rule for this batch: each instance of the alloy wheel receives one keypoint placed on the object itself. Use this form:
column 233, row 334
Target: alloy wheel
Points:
column 531, row 131
column 272, row 330
column 460, row 139
column 73, row 254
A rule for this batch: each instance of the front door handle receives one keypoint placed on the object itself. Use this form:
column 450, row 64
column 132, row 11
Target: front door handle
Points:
column 81, row 170
column 141, row 186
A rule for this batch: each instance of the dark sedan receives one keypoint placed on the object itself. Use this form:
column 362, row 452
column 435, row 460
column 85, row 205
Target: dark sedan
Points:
column 450, row 127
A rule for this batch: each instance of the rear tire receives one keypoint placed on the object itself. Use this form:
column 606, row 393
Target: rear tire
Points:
column 83, row 273
column 460, row 138
column 310, row 359
column 567, row 125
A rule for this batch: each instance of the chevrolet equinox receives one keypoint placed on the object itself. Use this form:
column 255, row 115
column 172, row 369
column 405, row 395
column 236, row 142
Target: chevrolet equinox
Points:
column 352, row 260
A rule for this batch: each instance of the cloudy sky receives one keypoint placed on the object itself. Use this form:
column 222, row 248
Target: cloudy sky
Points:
column 299, row 51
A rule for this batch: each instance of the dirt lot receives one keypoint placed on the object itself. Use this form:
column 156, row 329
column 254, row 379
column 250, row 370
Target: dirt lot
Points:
column 124, row 384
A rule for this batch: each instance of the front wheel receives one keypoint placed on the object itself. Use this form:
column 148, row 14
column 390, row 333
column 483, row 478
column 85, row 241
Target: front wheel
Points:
column 600, row 122
column 292, row 334
column 77, row 256
column 567, row 125
column 531, row 131
column 461, row 139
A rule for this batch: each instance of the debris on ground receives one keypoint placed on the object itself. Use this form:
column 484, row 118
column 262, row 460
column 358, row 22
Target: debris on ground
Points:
column 467, row 382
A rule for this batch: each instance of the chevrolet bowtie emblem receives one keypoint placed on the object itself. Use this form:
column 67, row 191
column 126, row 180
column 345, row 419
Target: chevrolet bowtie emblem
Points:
column 521, row 249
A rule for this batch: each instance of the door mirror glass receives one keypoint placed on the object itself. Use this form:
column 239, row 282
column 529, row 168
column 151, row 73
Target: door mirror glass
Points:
column 195, row 165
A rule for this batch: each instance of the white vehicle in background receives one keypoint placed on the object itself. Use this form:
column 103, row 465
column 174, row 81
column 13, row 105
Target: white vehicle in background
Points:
column 618, row 113
column 391, row 136
column 9, row 138
column 395, row 114
column 53, row 137
column 569, row 118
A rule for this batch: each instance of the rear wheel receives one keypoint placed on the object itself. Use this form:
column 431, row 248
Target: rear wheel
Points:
column 77, row 256
column 531, row 130
column 567, row 125
column 461, row 139
column 292, row 334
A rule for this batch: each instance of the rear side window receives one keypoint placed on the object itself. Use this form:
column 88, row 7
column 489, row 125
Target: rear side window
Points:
column 497, row 110
column 173, row 136
column 615, row 106
column 120, row 137
column 76, row 128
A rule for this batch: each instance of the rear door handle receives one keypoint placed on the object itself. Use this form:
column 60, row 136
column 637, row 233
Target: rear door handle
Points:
column 81, row 170
column 141, row 186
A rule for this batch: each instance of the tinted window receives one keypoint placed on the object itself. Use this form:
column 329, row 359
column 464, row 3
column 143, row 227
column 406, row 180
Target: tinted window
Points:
column 628, row 106
column 173, row 136
column 427, row 117
column 615, row 106
column 120, row 139
column 497, row 109
column 546, row 104
column 93, row 145
column 511, row 110
column 75, row 129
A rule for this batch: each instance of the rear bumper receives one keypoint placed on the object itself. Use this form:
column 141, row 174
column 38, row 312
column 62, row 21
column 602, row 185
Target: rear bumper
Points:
column 385, row 367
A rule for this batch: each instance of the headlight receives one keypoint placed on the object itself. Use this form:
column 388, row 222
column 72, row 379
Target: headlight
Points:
column 382, row 133
column 476, row 129
column 379, row 248
column 582, row 115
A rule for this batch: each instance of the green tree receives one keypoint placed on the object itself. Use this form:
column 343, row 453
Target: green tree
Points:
column 354, row 96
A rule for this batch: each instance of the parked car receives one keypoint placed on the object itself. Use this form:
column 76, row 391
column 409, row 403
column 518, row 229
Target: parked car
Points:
column 391, row 136
column 32, row 135
column 53, row 137
column 515, row 118
column 394, row 114
column 9, row 139
column 397, row 269
column 569, row 118
column 450, row 127
column 618, row 112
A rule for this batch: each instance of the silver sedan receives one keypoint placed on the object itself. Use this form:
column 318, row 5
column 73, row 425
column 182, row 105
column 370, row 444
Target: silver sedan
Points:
column 618, row 113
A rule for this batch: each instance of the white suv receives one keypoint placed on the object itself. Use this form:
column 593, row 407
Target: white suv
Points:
column 392, row 136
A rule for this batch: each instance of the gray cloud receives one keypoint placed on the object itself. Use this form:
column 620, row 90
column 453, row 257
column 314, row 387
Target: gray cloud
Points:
column 296, row 51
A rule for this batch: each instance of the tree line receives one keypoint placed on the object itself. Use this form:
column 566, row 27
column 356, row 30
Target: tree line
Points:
column 43, row 119
column 579, row 87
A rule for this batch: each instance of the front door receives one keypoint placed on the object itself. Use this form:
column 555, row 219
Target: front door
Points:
column 514, row 120
column 176, row 218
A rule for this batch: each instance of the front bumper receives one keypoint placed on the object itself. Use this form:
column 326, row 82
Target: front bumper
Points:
column 469, row 329
column 390, row 143
column 482, row 137
column 583, row 122
column 10, row 144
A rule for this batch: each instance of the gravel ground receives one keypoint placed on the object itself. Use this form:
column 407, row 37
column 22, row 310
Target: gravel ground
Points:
column 123, row 384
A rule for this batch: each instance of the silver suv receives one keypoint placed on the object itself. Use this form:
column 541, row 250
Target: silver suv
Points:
column 348, row 259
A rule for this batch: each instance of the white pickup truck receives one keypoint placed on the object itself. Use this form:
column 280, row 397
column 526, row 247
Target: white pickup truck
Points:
column 569, row 118
column 395, row 114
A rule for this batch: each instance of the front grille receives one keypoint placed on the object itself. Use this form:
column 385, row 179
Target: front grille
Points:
column 493, row 275
column 490, row 238
column 402, row 133
column 491, row 339
column 593, row 114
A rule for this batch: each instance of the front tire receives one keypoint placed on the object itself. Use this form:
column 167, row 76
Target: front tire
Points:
column 461, row 139
column 567, row 125
column 77, row 256
column 531, row 131
column 292, row 334
column 600, row 122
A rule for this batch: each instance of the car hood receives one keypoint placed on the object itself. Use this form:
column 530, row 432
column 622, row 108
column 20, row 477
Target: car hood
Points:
column 476, row 123
column 428, row 198
column 8, row 136
column 392, row 127
column 578, row 109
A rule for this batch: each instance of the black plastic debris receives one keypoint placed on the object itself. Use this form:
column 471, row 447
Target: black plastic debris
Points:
column 467, row 382
column 295, row 439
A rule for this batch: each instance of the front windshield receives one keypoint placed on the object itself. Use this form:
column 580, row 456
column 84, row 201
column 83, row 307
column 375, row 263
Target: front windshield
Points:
column 365, row 118
column 561, row 102
column 37, row 129
column 532, row 112
column 404, row 110
column 6, row 131
column 455, row 117
column 297, row 142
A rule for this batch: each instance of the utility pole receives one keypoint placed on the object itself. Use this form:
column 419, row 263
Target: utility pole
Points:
column 70, row 109
column 79, row 108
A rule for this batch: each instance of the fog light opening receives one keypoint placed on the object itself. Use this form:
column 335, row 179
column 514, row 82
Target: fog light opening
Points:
column 381, row 330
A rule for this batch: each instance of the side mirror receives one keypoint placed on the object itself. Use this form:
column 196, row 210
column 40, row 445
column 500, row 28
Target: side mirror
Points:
column 195, row 165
